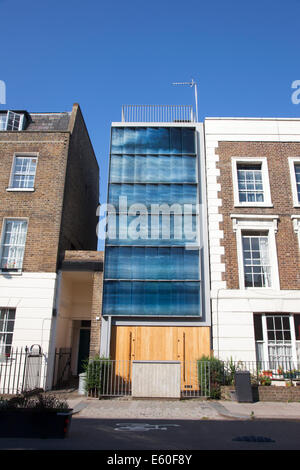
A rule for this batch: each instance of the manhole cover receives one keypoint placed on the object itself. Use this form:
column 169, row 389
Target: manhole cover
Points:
column 253, row 439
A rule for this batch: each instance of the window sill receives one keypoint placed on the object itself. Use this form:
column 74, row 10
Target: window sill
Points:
column 30, row 190
column 11, row 273
column 254, row 204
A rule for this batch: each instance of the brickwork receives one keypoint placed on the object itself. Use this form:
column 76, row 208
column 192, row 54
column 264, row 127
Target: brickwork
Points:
column 43, row 206
column 96, row 312
column 281, row 194
column 268, row 393
column 61, row 210
column 81, row 198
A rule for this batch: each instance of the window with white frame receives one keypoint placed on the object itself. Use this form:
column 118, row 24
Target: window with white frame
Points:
column 11, row 121
column 13, row 244
column 7, row 322
column 257, row 268
column 23, row 172
column 2, row 122
column 276, row 338
column 251, row 182
column 256, row 250
column 294, row 164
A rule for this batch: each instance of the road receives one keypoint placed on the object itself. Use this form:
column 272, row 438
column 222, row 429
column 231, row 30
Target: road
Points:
column 172, row 435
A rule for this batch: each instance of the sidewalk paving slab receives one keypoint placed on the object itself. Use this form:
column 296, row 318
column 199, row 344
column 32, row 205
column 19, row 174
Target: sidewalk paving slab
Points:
column 124, row 408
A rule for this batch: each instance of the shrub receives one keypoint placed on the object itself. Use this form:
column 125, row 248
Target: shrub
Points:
column 97, row 370
column 211, row 375
column 34, row 399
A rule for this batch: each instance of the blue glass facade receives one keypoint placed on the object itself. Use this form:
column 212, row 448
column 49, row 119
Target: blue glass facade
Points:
column 150, row 271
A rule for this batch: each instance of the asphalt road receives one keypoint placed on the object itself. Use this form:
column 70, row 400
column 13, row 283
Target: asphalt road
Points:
column 172, row 435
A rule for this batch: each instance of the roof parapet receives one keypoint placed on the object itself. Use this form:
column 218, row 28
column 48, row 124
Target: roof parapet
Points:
column 158, row 113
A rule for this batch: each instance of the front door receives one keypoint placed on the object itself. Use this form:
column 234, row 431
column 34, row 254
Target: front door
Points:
column 84, row 348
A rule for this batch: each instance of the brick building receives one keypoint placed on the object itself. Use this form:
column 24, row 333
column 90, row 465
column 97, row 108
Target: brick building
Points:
column 253, row 187
column 49, row 186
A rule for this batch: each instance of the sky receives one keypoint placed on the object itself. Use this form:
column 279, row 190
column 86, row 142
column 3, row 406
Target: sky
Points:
column 243, row 55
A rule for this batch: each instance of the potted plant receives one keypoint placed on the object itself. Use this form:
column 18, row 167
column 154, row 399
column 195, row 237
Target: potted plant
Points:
column 267, row 373
column 35, row 414
column 264, row 379
column 280, row 371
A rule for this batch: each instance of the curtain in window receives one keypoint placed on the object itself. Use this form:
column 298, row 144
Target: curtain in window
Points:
column 265, row 260
column 13, row 244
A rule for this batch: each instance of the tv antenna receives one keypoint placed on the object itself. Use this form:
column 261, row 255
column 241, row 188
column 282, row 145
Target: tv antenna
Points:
column 191, row 84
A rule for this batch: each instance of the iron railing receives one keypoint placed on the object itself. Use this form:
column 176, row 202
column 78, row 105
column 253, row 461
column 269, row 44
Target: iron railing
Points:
column 62, row 371
column 157, row 113
column 199, row 379
column 22, row 370
column 276, row 370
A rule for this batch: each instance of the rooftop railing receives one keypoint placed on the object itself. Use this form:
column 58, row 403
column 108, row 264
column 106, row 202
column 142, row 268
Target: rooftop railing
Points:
column 157, row 113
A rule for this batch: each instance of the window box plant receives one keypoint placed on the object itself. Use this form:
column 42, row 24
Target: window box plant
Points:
column 34, row 414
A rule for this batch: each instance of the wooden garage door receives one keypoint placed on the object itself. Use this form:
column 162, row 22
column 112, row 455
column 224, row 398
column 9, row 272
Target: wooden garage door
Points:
column 160, row 343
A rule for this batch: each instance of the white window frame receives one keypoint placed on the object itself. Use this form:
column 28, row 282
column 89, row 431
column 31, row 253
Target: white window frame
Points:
column 25, row 155
column 235, row 161
column 6, row 332
column 255, row 223
column 265, row 342
column 18, row 271
column 292, row 162
column 21, row 123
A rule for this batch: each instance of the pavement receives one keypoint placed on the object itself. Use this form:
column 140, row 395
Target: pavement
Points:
column 189, row 409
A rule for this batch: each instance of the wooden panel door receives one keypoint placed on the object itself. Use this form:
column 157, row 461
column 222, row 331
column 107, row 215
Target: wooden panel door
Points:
column 159, row 343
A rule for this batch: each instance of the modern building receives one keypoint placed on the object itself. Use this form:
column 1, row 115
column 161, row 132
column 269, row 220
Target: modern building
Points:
column 49, row 188
column 253, row 197
column 156, row 271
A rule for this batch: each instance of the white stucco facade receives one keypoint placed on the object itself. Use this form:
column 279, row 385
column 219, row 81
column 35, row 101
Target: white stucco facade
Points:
column 233, row 309
column 32, row 295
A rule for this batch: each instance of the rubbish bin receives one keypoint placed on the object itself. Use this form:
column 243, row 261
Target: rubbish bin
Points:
column 243, row 387
column 81, row 386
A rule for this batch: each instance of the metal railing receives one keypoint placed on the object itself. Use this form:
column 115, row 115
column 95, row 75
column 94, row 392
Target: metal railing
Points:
column 62, row 371
column 22, row 370
column 106, row 378
column 157, row 113
column 275, row 370
column 199, row 379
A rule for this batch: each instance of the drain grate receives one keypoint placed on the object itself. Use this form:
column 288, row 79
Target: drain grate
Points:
column 253, row 439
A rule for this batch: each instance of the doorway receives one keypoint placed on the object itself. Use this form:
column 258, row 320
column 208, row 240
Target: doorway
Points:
column 84, row 345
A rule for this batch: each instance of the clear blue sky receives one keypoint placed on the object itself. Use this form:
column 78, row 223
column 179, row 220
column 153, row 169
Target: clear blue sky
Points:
column 101, row 54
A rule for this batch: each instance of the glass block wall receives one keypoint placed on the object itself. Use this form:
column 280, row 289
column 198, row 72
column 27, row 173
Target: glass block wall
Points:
column 147, row 273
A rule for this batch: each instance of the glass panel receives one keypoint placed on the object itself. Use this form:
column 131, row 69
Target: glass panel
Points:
column 151, row 298
column 258, row 332
column 151, row 263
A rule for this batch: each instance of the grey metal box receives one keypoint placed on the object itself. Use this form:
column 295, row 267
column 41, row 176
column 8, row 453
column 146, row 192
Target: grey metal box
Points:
column 243, row 387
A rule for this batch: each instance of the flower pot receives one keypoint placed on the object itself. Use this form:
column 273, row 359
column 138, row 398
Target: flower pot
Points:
column 33, row 423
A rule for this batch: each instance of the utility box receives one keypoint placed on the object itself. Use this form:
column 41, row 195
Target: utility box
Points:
column 156, row 379
column 243, row 387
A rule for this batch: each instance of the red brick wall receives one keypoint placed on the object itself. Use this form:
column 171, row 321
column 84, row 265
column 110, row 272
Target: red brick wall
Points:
column 281, row 194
